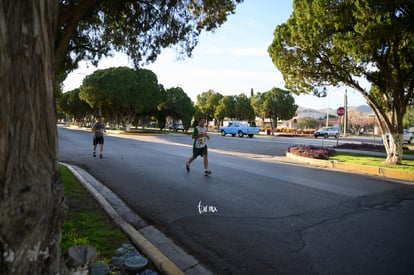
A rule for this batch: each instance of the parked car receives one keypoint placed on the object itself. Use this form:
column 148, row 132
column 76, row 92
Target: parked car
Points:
column 408, row 137
column 327, row 132
column 176, row 127
column 239, row 128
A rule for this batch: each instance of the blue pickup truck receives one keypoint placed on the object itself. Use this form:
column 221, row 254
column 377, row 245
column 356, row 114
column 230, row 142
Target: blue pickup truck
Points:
column 239, row 128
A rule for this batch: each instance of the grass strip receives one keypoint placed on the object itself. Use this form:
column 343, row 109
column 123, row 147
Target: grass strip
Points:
column 87, row 223
column 371, row 160
column 409, row 152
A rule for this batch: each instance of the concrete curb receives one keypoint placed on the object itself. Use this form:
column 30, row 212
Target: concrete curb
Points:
column 358, row 168
column 157, row 257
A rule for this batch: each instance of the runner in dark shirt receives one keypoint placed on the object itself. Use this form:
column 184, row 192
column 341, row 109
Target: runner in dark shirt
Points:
column 98, row 130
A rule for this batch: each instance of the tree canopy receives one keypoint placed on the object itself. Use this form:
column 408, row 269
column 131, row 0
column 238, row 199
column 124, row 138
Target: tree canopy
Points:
column 207, row 103
column 225, row 108
column 341, row 42
column 72, row 105
column 178, row 106
column 122, row 93
column 213, row 105
column 90, row 29
column 274, row 104
column 243, row 110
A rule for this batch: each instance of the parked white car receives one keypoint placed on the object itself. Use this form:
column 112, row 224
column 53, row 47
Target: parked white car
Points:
column 407, row 138
column 176, row 127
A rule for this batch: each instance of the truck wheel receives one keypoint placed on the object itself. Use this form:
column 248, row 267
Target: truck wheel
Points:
column 240, row 134
column 223, row 133
column 325, row 135
column 250, row 135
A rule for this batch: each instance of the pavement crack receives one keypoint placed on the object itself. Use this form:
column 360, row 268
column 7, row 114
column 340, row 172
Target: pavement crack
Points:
column 387, row 205
column 301, row 231
column 329, row 220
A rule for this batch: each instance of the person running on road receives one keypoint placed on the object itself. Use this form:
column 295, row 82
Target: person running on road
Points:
column 199, row 146
column 98, row 130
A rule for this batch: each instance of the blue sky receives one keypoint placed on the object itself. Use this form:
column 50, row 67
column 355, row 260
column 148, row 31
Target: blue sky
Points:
column 232, row 60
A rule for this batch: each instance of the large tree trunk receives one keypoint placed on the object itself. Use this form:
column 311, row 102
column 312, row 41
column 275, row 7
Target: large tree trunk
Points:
column 32, row 204
column 394, row 148
column 394, row 144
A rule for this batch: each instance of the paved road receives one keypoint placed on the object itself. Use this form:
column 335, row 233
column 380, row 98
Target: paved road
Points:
column 272, row 217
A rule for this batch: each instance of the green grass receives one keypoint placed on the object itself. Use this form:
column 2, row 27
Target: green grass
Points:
column 87, row 223
column 409, row 152
column 371, row 160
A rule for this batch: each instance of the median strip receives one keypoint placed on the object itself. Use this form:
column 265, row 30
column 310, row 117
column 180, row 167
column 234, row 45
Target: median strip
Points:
column 358, row 168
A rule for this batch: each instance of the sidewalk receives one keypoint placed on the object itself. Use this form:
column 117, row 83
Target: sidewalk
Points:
column 163, row 252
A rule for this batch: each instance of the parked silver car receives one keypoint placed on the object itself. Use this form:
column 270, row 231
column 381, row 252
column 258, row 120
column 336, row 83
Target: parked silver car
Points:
column 176, row 127
column 326, row 132
column 408, row 136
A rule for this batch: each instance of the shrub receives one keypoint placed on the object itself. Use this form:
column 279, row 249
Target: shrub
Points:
column 309, row 131
column 310, row 151
column 362, row 146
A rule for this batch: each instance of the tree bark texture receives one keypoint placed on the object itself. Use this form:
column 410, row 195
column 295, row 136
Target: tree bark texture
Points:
column 394, row 145
column 32, row 204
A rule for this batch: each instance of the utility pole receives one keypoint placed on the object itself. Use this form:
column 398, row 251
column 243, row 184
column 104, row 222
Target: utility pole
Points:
column 346, row 112
column 327, row 112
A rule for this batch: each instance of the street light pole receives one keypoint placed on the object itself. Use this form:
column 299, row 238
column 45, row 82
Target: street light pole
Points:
column 327, row 111
column 346, row 112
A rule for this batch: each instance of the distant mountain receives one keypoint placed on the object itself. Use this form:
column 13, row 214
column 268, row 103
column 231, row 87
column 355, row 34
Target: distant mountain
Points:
column 365, row 109
column 321, row 113
column 309, row 112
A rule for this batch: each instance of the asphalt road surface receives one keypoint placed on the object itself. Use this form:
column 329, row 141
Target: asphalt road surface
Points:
column 259, row 215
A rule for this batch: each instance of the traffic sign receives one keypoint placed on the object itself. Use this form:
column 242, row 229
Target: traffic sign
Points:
column 340, row 111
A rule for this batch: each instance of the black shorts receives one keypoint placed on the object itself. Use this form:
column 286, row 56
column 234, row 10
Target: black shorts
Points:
column 199, row 151
column 98, row 140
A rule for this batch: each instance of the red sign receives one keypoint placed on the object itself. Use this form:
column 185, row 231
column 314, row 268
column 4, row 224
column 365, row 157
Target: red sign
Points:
column 340, row 111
